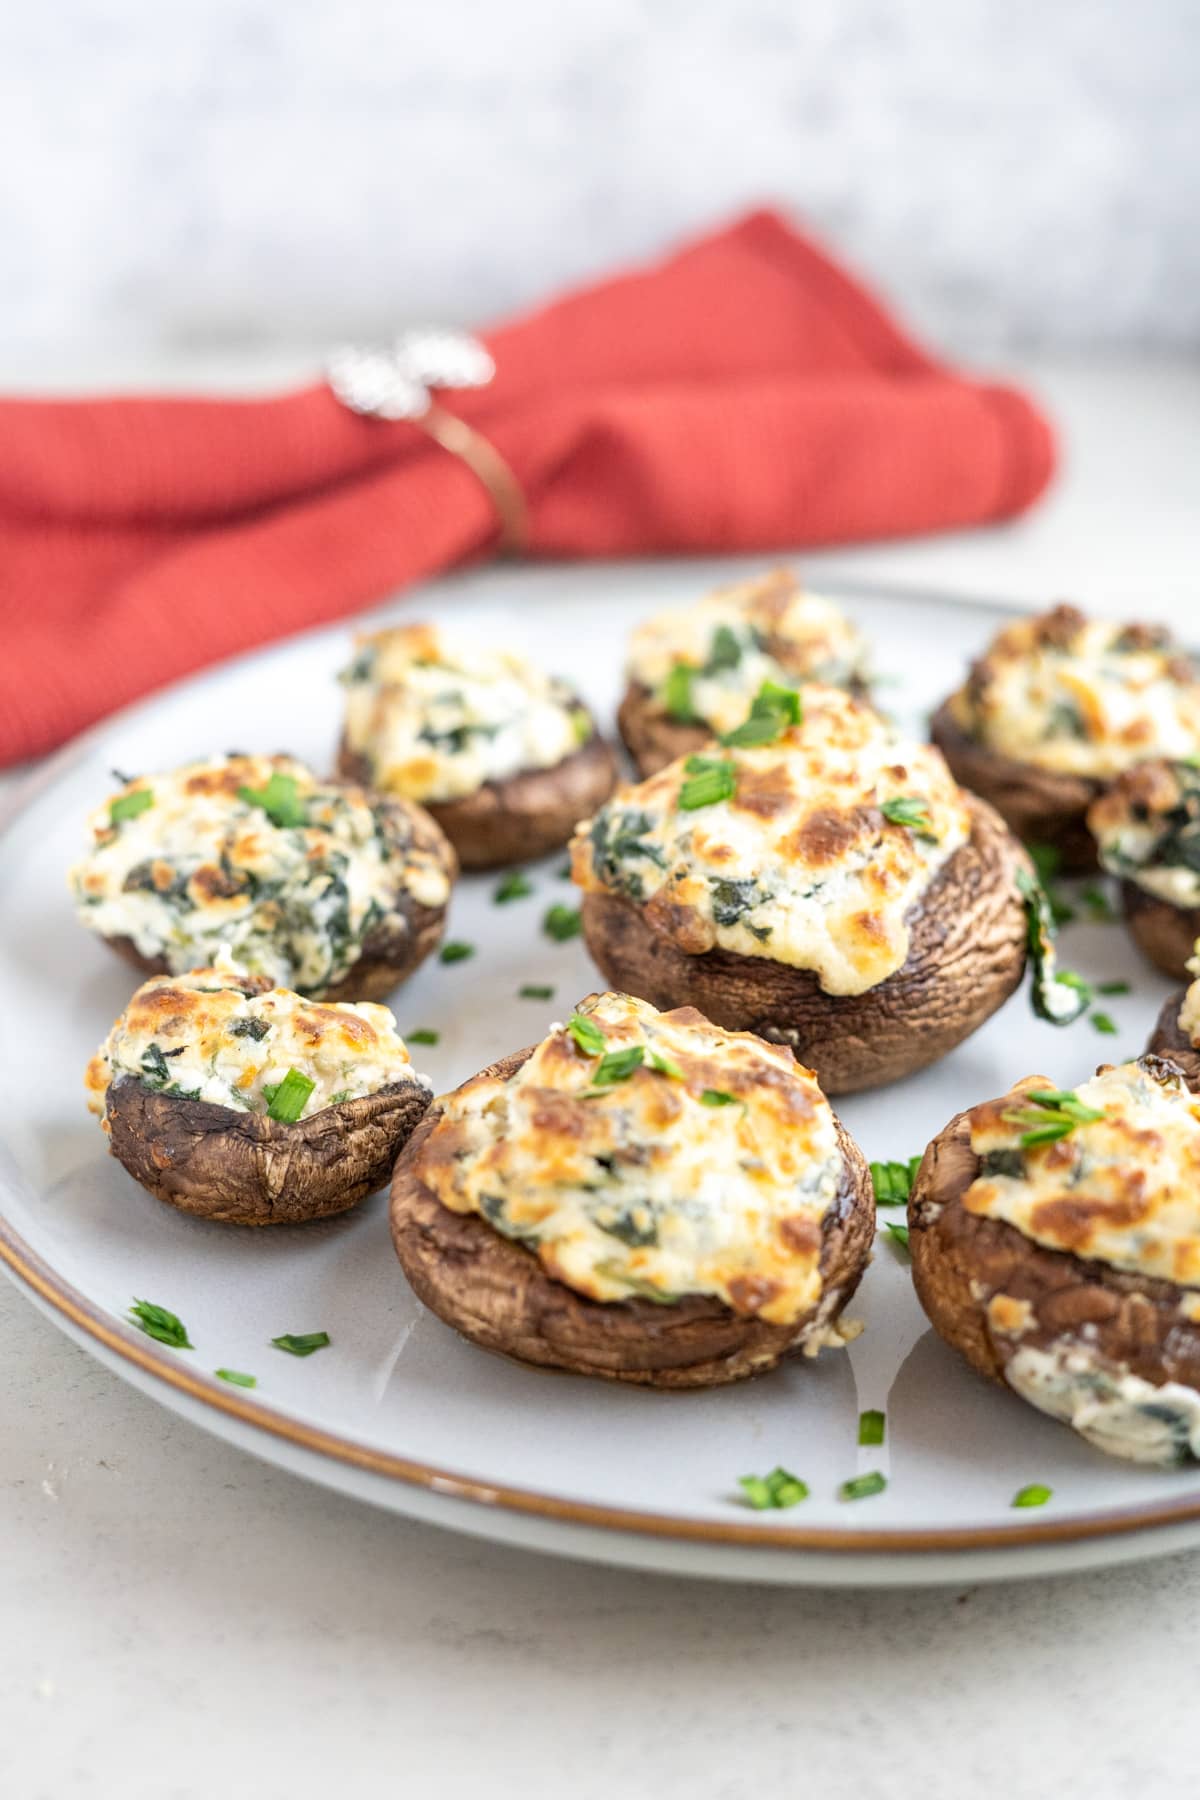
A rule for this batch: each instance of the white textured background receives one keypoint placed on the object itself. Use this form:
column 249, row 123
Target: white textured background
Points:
column 1014, row 171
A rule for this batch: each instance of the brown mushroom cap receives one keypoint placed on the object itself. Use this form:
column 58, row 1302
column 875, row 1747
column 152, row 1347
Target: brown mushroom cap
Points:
column 959, row 1261
column 1170, row 1040
column 523, row 816
column 246, row 1169
column 966, row 956
column 1040, row 806
column 1166, row 934
column 497, row 1293
column 394, row 947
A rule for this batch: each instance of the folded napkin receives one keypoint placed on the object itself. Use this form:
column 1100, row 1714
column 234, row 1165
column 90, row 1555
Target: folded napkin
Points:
column 744, row 394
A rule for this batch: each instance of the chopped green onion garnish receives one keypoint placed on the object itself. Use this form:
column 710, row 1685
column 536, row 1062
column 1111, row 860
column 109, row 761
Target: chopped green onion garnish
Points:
column 899, row 1237
column 777, row 1490
column 861, row 1487
column 773, row 711
column 710, row 780
column 513, row 887
column 562, row 922
column 1113, row 988
column 893, row 1181
column 871, row 1427
column 618, row 1065
column 587, row 1034
column 717, row 1097
column 301, row 1343
column 1050, row 1114
column 236, row 1377
column 1033, row 1495
column 423, row 1036
column 158, row 1323
column 910, row 810
column 280, row 800
column 1104, row 1024
column 677, row 693
column 287, row 1099
column 455, row 952
column 128, row 806
column 662, row 1065
column 533, row 991
column 581, row 725
column 724, row 651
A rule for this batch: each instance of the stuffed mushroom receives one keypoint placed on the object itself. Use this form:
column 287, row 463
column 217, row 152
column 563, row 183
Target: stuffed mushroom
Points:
column 1057, row 707
column 324, row 887
column 1147, row 832
column 694, row 670
column 240, row 1101
column 643, row 1197
column 815, row 880
column 505, row 758
column 1055, row 1240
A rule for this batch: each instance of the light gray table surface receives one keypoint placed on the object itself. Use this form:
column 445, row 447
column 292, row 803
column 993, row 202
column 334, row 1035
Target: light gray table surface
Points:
column 178, row 1620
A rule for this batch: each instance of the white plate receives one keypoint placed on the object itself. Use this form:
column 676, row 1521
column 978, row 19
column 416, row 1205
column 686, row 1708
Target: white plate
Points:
column 399, row 1410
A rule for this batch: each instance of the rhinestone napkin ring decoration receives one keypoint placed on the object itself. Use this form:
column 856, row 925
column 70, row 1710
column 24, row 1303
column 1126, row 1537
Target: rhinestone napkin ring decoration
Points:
column 394, row 381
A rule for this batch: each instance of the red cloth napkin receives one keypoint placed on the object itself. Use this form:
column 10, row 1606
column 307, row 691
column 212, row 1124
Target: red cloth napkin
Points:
column 744, row 394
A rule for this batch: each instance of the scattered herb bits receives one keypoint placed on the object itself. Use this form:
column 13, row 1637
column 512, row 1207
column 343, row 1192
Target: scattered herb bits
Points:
column 280, row 800
column 1033, row 1495
column 287, row 1099
column 710, row 779
column 1097, row 905
column 618, row 1065
column 912, row 811
column 587, row 1034
column 893, row 1181
column 871, row 1427
column 455, row 951
column 302, row 1343
column 773, row 711
column 560, row 923
column 717, row 1097
column 423, row 1036
column 677, row 694
column 129, row 806
column 160, row 1324
column 663, row 1065
column 861, row 1487
column 899, row 1236
column 1051, row 1113
column 513, row 887
column 1104, row 1024
column 236, row 1378
column 1113, row 988
column 776, row 1491
column 533, row 990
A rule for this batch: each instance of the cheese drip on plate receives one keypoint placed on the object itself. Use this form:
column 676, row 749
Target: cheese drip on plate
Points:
column 801, row 862
column 1080, row 696
column 1123, row 1189
column 435, row 717
column 229, row 1038
column 666, row 1158
column 733, row 640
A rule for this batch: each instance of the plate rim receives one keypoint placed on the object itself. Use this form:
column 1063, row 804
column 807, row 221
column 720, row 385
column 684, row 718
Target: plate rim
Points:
column 29, row 1269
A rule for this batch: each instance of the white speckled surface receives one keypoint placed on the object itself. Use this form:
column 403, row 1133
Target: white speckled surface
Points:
column 180, row 1621
column 1011, row 173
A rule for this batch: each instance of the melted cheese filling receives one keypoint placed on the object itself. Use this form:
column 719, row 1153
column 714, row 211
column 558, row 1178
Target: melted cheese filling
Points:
column 1189, row 1011
column 739, row 637
column 201, row 867
column 801, row 865
column 224, row 1037
column 436, row 717
column 643, row 1188
column 1147, row 830
column 1124, row 1190
column 1081, row 697
column 1117, row 1411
